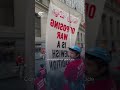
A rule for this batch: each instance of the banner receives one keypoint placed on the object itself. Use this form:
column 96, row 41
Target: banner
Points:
column 78, row 6
column 62, row 27
column 94, row 9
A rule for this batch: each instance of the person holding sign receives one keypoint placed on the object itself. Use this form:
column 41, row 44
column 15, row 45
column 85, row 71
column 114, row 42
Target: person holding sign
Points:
column 74, row 71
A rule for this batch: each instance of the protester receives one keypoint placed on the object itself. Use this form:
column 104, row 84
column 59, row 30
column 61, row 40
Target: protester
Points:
column 74, row 71
column 20, row 61
column 97, row 67
column 40, row 79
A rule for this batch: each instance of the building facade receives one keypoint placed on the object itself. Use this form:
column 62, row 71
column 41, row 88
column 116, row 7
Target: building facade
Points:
column 109, row 30
column 41, row 12
column 16, row 38
column 12, row 40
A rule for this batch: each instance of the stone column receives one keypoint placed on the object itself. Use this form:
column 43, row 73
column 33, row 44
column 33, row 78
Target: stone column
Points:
column 29, row 42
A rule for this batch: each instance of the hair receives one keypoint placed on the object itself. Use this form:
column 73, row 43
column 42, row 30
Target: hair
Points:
column 76, row 52
column 100, row 64
column 42, row 66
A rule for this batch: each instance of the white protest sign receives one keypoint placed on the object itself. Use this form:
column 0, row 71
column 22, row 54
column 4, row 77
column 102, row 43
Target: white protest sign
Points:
column 61, row 31
column 79, row 6
column 94, row 9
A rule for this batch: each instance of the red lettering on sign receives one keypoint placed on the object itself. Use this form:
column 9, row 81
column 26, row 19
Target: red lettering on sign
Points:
column 56, row 25
column 52, row 23
column 58, row 35
column 90, row 10
column 61, row 26
column 62, row 36
column 73, row 30
column 67, row 28
column 64, row 29
column 65, row 36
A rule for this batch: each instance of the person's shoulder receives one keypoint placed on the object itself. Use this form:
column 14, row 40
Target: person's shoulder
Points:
column 74, row 63
column 78, row 61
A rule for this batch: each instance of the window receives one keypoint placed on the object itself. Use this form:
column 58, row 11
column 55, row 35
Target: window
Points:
column 37, row 25
column 6, row 13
